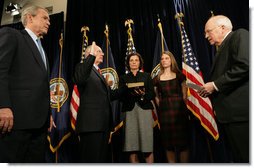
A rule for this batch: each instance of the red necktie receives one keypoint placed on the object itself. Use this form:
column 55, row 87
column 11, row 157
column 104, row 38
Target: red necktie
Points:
column 99, row 70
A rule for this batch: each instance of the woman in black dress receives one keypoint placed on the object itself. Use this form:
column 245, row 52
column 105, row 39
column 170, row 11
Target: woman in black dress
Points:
column 171, row 93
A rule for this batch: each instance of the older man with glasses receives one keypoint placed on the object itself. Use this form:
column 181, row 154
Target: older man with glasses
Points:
column 229, row 84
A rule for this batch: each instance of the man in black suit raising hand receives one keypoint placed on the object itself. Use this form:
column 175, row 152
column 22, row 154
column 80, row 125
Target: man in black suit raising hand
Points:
column 94, row 119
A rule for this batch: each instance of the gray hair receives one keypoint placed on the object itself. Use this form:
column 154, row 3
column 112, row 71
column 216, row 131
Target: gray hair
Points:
column 30, row 10
column 222, row 20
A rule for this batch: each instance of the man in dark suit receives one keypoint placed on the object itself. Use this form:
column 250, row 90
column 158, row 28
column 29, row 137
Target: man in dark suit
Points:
column 229, row 86
column 94, row 119
column 24, row 89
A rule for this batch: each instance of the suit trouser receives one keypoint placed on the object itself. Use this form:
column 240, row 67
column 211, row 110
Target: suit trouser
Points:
column 94, row 147
column 23, row 146
column 237, row 135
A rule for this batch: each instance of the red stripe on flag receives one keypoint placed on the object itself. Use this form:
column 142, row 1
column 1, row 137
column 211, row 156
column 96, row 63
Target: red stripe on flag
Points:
column 192, row 78
column 208, row 126
column 202, row 102
column 74, row 106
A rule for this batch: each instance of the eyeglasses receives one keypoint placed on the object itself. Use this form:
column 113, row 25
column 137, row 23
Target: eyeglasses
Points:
column 99, row 51
column 210, row 30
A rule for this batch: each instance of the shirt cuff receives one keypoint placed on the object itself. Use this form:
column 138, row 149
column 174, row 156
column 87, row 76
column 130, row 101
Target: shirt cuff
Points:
column 215, row 86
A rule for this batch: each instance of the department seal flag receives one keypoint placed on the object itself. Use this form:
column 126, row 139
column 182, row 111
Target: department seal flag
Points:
column 59, row 102
column 160, row 47
column 108, row 70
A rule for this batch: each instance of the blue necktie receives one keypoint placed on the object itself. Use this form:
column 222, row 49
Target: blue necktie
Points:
column 41, row 52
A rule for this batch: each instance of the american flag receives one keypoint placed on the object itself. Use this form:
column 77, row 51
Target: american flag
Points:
column 130, row 50
column 74, row 105
column 130, row 44
column 84, row 46
column 160, row 47
column 199, row 106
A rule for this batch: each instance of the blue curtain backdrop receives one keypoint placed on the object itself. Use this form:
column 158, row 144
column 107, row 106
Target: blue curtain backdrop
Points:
column 95, row 14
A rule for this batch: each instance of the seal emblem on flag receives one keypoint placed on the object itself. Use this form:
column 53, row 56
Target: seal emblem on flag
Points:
column 112, row 76
column 59, row 92
column 155, row 71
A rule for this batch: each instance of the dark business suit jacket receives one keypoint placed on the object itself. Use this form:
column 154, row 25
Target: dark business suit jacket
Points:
column 24, row 80
column 94, row 112
column 230, row 73
column 129, row 99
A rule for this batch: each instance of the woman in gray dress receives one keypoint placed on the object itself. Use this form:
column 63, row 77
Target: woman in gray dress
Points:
column 137, row 108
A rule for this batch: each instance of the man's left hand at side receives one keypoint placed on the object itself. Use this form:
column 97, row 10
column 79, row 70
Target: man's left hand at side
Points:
column 6, row 120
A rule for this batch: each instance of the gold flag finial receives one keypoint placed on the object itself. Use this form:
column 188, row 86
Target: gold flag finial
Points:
column 212, row 14
column 162, row 36
column 84, row 29
column 159, row 23
column 106, row 30
column 158, row 16
column 129, row 22
column 130, row 45
column 179, row 17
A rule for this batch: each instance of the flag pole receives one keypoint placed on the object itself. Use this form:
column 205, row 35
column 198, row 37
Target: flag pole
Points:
column 59, row 78
column 59, row 71
column 179, row 17
column 212, row 14
column 106, row 32
column 162, row 37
